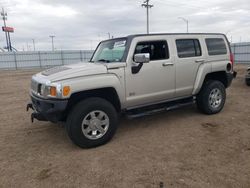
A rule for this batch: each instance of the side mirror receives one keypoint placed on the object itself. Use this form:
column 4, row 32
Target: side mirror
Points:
column 142, row 58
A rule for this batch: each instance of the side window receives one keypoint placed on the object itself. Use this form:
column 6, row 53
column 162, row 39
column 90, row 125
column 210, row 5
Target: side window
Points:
column 157, row 49
column 188, row 48
column 216, row 46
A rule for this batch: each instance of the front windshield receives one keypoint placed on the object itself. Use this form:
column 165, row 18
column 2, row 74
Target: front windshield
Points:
column 110, row 51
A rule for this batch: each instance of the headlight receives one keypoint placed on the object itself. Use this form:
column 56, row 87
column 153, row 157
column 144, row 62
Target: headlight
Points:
column 44, row 91
column 55, row 91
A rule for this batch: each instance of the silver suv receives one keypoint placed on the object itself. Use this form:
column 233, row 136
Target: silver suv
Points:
column 136, row 75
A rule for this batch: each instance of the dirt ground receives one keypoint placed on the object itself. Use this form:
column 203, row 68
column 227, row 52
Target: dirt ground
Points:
column 181, row 148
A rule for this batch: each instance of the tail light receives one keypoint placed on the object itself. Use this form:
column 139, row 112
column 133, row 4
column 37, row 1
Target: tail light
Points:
column 232, row 59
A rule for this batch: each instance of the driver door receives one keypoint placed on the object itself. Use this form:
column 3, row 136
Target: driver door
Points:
column 155, row 81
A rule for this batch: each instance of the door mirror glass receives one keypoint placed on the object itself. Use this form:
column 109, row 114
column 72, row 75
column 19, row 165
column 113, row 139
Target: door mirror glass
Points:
column 142, row 58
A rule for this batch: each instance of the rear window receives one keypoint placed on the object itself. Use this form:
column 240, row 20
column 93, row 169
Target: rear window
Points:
column 188, row 48
column 216, row 46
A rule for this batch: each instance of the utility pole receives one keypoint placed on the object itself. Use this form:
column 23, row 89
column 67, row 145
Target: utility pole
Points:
column 147, row 6
column 10, row 47
column 4, row 17
column 52, row 41
column 34, row 46
column 185, row 20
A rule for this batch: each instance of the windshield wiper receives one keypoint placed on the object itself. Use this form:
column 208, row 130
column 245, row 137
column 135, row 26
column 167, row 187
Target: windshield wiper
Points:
column 104, row 60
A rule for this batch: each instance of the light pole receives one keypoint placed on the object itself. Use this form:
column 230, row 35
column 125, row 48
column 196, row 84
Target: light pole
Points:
column 100, row 35
column 185, row 20
column 34, row 46
column 52, row 41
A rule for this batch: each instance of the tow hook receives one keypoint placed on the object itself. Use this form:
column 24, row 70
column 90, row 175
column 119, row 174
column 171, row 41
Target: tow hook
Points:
column 32, row 117
column 29, row 105
column 37, row 116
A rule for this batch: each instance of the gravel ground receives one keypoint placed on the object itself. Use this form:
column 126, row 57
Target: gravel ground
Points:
column 181, row 148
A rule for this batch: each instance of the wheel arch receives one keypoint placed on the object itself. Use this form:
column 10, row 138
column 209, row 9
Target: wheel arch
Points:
column 107, row 93
column 219, row 75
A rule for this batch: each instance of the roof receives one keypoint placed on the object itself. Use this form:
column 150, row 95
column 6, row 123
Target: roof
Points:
column 159, row 34
column 130, row 37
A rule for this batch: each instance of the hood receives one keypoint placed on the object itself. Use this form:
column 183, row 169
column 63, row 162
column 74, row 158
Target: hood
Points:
column 73, row 70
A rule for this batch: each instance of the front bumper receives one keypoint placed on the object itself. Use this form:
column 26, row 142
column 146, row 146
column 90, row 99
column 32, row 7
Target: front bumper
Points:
column 47, row 109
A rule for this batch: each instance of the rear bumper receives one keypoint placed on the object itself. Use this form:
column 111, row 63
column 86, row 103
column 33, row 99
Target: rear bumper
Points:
column 247, row 78
column 47, row 109
column 230, row 77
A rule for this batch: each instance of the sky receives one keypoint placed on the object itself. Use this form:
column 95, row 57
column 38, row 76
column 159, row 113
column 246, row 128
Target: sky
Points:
column 82, row 24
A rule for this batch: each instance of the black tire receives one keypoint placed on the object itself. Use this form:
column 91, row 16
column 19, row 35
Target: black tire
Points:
column 80, row 111
column 203, row 97
column 248, row 81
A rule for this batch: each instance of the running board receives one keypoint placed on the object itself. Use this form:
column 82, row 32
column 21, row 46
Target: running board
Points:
column 156, row 109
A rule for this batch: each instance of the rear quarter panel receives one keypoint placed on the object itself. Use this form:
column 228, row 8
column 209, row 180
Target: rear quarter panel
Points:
column 213, row 63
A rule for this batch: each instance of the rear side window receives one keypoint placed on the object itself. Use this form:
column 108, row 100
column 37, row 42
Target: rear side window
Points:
column 157, row 49
column 216, row 46
column 188, row 48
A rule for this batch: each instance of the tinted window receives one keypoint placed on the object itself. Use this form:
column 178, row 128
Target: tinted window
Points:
column 216, row 46
column 188, row 48
column 157, row 49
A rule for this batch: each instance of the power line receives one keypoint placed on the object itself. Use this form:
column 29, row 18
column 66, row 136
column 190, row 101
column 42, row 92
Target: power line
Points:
column 177, row 4
column 147, row 6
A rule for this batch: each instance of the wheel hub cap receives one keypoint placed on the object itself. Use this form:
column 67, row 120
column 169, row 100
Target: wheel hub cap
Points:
column 95, row 124
column 215, row 98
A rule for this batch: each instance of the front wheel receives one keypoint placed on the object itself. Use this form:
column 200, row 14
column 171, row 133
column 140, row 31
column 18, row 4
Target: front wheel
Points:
column 212, row 97
column 92, row 122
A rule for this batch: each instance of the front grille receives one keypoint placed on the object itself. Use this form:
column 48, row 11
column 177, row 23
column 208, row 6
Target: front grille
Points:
column 34, row 86
column 39, row 88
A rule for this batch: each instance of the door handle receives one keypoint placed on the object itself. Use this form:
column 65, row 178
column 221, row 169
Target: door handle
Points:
column 200, row 61
column 167, row 64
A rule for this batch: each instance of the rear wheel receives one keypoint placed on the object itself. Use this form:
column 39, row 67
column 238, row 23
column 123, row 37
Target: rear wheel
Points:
column 212, row 97
column 92, row 122
column 248, row 81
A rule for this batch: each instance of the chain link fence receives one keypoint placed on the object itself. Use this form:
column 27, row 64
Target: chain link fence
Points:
column 42, row 59
column 241, row 52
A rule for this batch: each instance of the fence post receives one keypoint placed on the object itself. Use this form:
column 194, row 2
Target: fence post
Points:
column 14, row 53
column 81, row 55
column 234, row 52
column 62, row 57
column 84, row 55
column 39, row 58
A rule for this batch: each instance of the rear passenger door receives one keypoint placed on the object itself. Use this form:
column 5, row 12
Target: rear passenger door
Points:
column 189, row 56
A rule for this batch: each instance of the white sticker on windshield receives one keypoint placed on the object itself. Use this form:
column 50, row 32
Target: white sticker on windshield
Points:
column 121, row 43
